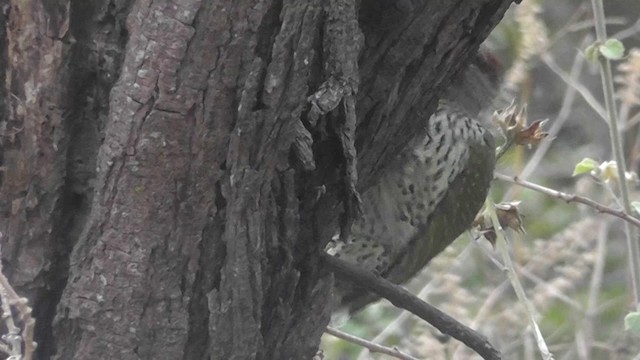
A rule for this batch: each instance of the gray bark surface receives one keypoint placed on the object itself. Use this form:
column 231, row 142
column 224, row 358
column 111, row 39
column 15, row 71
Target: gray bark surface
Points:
column 166, row 184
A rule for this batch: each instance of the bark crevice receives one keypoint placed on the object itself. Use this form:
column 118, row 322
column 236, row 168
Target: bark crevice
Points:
column 173, row 146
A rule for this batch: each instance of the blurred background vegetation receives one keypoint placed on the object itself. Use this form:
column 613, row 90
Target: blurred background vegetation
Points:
column 572, row 261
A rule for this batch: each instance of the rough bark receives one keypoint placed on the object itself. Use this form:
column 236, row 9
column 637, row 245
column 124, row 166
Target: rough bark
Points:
column 167, row 185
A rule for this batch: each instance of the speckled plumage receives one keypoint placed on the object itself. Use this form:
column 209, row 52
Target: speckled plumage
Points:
column 423, row 203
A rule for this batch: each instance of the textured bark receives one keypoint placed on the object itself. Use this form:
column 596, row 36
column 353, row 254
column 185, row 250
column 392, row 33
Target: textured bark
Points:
column 167, row 185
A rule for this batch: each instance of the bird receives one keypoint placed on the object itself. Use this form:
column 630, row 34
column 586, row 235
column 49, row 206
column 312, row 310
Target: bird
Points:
column 431, row 192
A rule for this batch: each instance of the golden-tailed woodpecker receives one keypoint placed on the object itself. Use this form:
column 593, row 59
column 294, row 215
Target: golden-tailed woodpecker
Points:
column 432, row 192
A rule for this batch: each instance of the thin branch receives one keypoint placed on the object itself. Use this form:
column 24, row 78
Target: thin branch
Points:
column 586, row 331
column 501, row 243
column 616, row 145
column 570, row 198
column 402, row 298
column 628, row 32
column 632, row 122
column 551, row 290
column 398, row 322
column 588, row 24
column 580, row 88
column 563, row 115
column 373, row 347
column 524, row 271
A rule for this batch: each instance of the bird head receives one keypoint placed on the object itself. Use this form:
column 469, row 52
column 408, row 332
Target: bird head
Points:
column 475, row 88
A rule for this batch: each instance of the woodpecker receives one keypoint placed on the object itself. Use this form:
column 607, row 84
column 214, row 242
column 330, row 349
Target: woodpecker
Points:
column 432, row 192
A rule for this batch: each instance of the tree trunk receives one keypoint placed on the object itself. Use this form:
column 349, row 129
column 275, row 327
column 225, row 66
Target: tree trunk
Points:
column 171, row 170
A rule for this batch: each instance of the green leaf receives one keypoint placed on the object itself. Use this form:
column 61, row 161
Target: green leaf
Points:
column 612, row 49
column 586, row 165
column 591, row 53
column 632, row 322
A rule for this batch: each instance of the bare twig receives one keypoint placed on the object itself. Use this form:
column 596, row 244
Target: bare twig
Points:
column 551, row 290
column 580, row 88
column 402, row 298
column 616, row 144
column 588, row 24
column 524, row 271
column 501, row 243
column 398, row 322
column 570, row 198
column 373, row 347
column 584, row 337
column 630, row 31
column 632, row 122
column 563, row 115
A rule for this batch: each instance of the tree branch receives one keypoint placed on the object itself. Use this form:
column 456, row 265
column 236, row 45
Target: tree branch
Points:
column 373, row 347
column 569, row 198
column 402, row 298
